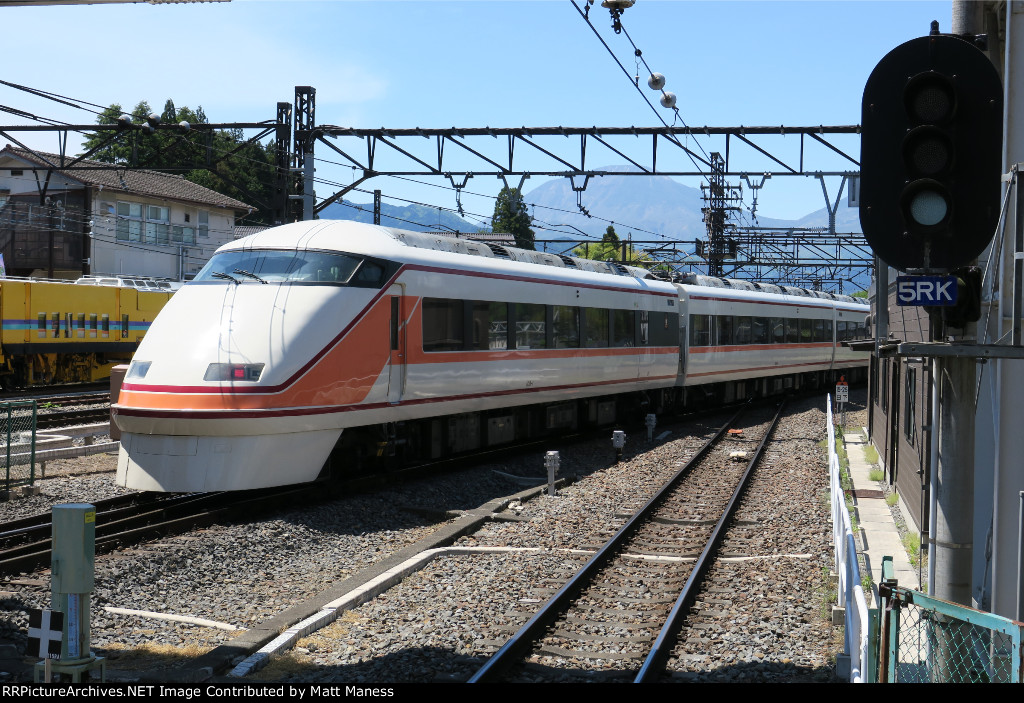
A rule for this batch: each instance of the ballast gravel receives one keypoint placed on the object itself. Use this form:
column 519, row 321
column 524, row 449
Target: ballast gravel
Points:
column 441, row 622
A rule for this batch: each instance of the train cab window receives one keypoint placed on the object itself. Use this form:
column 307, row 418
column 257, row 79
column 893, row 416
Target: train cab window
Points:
column 623, row 328
column 595, row 328
column 305, row 267
column 700, row 330
column 565, row 321
column 368, row 274
column 442, row 325
column 531, row 326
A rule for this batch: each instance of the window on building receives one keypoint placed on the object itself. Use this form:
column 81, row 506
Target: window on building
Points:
column 203, row 224
column 910, row 405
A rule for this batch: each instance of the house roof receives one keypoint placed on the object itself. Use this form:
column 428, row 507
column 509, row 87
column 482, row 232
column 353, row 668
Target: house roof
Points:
column 128, row 180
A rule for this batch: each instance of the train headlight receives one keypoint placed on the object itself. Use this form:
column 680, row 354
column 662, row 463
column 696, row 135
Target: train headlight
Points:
column 138, row 369
column 233, row 372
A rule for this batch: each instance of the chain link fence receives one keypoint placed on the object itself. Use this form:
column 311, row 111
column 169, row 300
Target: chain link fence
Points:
column 19, row 443
column 927, row 640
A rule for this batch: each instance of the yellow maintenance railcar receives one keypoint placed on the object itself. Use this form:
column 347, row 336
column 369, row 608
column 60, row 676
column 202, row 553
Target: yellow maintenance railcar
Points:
column 69, row 333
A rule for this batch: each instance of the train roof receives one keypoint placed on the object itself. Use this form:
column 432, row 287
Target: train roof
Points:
column 376, row 240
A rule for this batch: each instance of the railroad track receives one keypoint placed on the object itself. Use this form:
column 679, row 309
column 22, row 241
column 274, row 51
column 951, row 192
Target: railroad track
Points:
column 66, row 418
column 25, row 544
column 623, row 609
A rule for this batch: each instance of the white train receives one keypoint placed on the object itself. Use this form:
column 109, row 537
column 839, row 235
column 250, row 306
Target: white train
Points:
column 338, row 343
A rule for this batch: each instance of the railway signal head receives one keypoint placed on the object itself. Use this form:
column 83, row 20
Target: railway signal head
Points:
column 931, row 154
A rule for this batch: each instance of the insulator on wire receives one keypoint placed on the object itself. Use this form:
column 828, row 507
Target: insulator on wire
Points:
column 656, row 81
column 668, row 100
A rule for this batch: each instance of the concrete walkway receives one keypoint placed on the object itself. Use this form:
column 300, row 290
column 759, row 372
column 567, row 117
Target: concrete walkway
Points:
column 878, row 535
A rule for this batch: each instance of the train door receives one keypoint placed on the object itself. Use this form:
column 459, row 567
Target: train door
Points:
column 396, row 363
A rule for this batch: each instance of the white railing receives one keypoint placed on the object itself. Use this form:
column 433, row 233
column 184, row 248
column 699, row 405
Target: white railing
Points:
column 851, row 593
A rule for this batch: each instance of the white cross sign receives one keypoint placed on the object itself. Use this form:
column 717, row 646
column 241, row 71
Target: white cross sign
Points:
column 45, row 630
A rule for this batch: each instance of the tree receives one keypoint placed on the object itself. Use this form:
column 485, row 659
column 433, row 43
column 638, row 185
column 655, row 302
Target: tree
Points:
column 510, row 216
column 609, row 249
column 222, row 161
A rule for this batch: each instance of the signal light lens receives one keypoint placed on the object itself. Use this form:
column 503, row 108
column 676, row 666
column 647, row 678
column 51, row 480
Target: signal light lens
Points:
column 930, row 98
column 927, row 204
column 928, row 152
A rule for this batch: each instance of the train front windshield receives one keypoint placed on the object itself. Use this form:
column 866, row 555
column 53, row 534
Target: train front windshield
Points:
column 302, row 267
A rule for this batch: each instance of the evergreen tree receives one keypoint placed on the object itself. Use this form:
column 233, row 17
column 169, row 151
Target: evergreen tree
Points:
column 510, row 216
column 220, row 161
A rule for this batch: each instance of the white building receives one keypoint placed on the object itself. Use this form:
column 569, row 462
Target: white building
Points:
column 61, row 219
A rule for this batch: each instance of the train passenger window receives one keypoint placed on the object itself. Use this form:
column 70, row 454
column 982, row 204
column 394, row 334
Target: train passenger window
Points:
column 565, row 320
column 726, row 330
column 828, row 330
column 840, row 331
column 442, row 325
column 819, row 330
column 645, row 328
column 743, row 330
column 760, row 330
column 488, row 326
column 531, row 331
column 497, row 326
column 105, row 324
column 792, row 331
column 806, row 331
column 55, row 323
column 700, row 330
column 69, row 323
column 41, row 323
column 623, row 328
column 93, row 319
column 595, row 328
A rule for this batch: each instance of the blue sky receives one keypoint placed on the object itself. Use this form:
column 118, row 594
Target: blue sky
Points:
column 469, row 63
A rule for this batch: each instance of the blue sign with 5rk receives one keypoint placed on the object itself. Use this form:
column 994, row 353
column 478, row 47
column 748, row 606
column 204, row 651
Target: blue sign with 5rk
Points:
column 926, row 290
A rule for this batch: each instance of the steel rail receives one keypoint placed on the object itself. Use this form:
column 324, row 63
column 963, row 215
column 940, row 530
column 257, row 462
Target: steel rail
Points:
column 521, row 641
column 654, row 664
